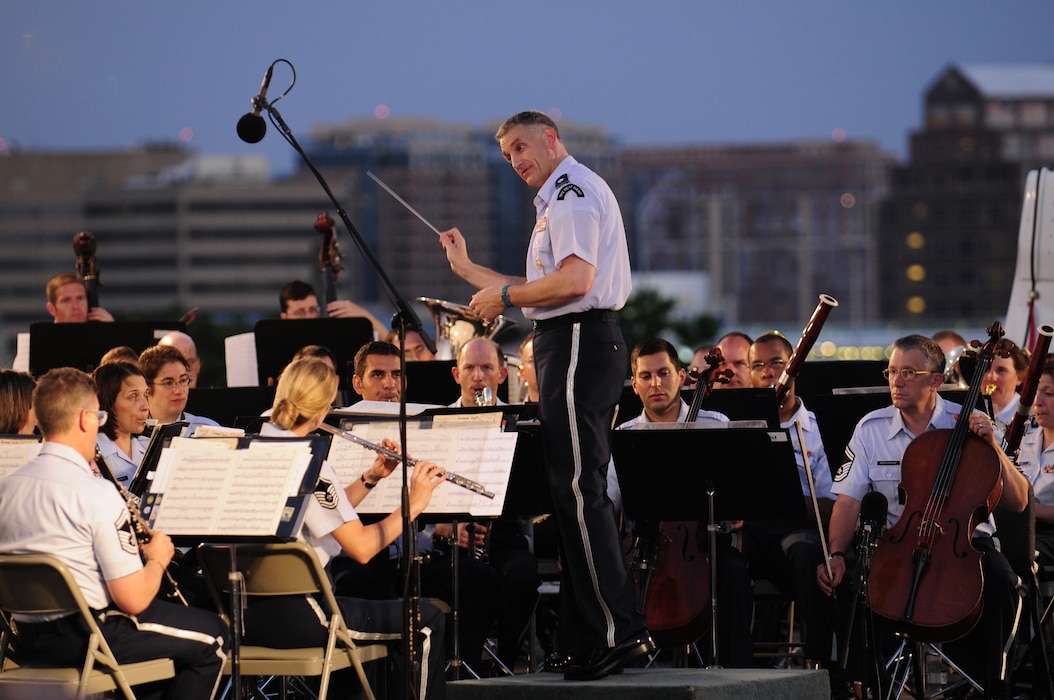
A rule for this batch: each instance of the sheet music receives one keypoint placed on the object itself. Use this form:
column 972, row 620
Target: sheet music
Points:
column 477, row 453
column 240, row 357
column 224, row 492
column 14, row 452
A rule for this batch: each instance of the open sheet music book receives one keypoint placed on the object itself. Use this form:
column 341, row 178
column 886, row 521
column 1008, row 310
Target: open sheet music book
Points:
column 472, row 445
column 16, row 450
column 234, row 488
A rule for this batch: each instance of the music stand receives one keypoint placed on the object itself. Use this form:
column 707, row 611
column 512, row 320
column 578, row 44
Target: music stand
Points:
column 277, row 340
column 82, row 345
column 748, row 474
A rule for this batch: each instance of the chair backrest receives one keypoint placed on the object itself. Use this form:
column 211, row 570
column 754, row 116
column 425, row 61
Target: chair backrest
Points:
column 269, row 569
column 39, row 584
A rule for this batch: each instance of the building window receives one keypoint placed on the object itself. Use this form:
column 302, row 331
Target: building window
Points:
column 999, row 115
column 1033, row 114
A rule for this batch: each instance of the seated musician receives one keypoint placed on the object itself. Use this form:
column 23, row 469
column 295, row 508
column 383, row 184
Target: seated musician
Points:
column 1036, row 460
column 16, row 403
column 376, row 379
column 416, row 350
column 734, row 347
column 55, row 505
column 481, row 366
column 1002, row 382
column 67, row 302
column 185, row 344
column 121, row 353
column 122, row 394
column 528, row 376
column 657, row 378
column 303, row 399
column 873, row 462
column 788, row 552
column 299, row 299
column 952, row 345
column 168, row 385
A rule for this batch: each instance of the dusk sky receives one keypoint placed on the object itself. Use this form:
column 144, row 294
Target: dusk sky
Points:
column 105, row 75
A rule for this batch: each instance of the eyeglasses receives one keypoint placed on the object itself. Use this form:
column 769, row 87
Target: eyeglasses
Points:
column 100, row 415
column 170, row 384
column 905, row 374
column 776, row 365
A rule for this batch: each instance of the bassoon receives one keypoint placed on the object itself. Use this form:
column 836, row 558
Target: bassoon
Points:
column 805, row 343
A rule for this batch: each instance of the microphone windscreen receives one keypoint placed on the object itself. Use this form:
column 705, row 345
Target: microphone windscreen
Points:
column 873, row 508
column 251, row 128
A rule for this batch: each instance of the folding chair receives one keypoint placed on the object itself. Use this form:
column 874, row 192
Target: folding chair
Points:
column 287, row 569
column 39, row 584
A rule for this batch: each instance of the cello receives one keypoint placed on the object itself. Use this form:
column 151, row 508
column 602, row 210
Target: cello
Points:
column 329, row 257
column 926, row 580
column 87, row 266
column 672, row 565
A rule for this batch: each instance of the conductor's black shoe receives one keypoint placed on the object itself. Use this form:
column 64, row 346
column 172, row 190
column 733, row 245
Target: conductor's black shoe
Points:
column 604, row 662
column 557, row 662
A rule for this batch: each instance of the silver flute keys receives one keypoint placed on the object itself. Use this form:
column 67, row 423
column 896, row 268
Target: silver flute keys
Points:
column 453, row 478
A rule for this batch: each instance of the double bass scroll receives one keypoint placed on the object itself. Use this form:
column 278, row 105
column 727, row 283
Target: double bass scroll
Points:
column 329, row 257
column 87, row 266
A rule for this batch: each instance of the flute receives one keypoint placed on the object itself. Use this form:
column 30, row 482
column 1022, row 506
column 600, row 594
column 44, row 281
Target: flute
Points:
column 453, row 478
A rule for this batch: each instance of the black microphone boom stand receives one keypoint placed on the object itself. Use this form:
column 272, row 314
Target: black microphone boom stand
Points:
column 405, row 319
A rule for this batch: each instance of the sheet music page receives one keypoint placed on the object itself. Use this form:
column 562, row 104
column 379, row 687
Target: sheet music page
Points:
column 477, row 453
column 221, row 492
column 240, row 357
column 15, row 452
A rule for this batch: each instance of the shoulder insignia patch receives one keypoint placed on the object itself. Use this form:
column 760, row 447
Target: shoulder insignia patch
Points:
column 326, row 494
column 570, row 188
column 562, row 180
column 126, row 533
column 843, row 469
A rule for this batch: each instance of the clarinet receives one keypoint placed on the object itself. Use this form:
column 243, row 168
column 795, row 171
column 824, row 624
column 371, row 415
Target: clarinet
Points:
column 142, row 533
column 484, row 397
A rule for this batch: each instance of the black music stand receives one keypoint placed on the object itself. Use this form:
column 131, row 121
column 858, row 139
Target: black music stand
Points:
column 748, row 474
column 82, row 345
column 277, row 340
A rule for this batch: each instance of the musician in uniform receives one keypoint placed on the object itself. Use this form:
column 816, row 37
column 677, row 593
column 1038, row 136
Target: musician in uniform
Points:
column 1002, row 382
column 168, row 385
column 416, row 350
column 481, row 366
column 788, row 552
column 55, row 504
column 735, row 348
column 122, row 394
column 578, row 275
column 303, row 399
column 657, row 377
column 1036, row 460
column 873, row 462
column 185, row 344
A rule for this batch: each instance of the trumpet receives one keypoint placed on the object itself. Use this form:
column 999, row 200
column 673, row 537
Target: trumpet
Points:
column 453, row 478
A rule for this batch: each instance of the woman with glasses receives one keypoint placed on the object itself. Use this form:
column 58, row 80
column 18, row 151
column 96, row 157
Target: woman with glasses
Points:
column 168, row 386
column 122, row 394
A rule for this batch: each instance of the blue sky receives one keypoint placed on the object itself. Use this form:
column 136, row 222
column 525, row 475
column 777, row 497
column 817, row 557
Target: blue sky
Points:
column 108, row 74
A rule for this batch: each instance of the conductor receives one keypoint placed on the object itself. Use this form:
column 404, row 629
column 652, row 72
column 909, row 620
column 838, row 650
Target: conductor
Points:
column 578, row 275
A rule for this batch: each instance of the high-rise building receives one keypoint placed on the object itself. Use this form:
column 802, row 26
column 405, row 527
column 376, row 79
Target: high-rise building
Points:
column 950, row 224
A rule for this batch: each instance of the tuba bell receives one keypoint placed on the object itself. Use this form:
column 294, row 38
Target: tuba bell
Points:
column 457, row 324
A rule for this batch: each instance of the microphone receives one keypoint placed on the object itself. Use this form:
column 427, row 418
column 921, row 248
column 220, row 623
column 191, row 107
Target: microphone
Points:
column 252, row 127
column 872, row 518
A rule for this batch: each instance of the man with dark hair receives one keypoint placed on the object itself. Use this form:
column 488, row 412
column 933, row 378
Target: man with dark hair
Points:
column 657, row 377
column 873, row 461
column 55, row 504
column 299, row 299
column 377, row 372
column 577, row 277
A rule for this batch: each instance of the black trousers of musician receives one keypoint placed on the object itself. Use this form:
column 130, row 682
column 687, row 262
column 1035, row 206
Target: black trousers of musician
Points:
column 293, row 621
column 510, row 555
column 581, row 362
column 735, row 607
column 788, row 553
column 196, row 641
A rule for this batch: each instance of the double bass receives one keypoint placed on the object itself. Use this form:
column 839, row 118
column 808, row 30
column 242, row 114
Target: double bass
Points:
column 87, row 266
column 329, row 257
column 926, row 580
